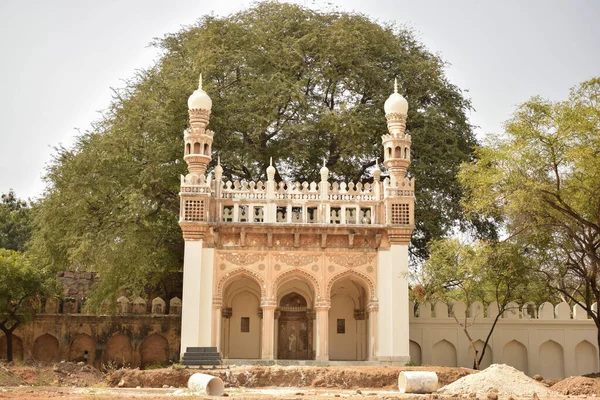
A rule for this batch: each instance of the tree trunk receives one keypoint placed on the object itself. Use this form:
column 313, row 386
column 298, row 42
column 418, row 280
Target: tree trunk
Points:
column 9, row 346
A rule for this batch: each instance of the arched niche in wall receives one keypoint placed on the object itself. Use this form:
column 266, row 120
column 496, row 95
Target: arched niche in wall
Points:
column 81, row 344
column 154, row 350
column 514, row 354
column 415, row 353
column 487, row 357
column 586, row 358
column 444, row 354
column 551, row 360
column 118, row 350
column 45, row 348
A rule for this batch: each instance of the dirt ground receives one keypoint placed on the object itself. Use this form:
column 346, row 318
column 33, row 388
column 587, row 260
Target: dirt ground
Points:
column 78, row 381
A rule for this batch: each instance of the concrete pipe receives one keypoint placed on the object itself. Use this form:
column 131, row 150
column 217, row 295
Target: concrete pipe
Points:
column 417, row 382
column 211, row 385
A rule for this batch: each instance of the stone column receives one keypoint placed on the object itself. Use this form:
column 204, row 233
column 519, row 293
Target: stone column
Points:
column 216, row 317
column 373, row 310
column 191, row 323
column 268, row 328
column 322, row 309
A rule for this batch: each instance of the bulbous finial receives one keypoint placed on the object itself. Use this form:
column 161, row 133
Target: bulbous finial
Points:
column 218, row 169
column 324, row 171
column 199, row 100
column 396, row 104
column 376, row 170
column 271, row 170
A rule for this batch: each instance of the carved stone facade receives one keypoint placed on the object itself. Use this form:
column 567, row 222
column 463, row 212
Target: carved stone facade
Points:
column 297, row 270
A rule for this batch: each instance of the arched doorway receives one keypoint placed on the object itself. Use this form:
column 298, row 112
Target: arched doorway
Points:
column 241, row 325
column 347, row 320
column 294, row 328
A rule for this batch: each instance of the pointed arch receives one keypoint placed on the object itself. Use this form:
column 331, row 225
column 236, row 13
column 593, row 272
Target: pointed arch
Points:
column 514, row 353
column 295, row 273
column 586, row 358
column 82, row 348
column 398, row 152
column 444, row 354
column 197, row 148
column 228, row 277
column 551, row 360
column 45, row 348
column 154, row 350
column 364, row 279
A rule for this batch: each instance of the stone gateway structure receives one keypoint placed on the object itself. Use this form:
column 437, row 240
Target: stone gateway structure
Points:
column 297, row 270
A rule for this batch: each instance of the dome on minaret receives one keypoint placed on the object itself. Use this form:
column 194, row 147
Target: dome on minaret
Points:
column 396, row 103
column 199, row 100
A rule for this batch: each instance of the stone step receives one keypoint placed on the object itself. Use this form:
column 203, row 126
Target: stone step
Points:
column 201, row 350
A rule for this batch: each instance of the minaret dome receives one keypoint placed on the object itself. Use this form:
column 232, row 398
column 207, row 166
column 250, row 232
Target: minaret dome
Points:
column 199, row 100
column 396, row 103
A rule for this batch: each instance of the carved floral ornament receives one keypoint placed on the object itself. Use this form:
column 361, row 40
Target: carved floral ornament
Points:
column 242, row 259
column 352, row 261
column 296, row 260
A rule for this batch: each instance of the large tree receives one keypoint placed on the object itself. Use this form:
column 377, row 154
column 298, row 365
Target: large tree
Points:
column 541, row 180
column 22, row 286
column 287, row 82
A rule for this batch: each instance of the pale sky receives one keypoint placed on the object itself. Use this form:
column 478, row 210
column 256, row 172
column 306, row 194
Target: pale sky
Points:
column 61, row 58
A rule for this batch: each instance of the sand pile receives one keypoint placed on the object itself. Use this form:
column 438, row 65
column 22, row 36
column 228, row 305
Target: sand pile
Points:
column 501, row 379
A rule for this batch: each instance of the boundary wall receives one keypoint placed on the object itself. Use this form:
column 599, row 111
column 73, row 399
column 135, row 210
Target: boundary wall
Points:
column 552, row 341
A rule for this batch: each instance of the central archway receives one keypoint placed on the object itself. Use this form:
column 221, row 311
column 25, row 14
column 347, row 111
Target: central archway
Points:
column 294, row 329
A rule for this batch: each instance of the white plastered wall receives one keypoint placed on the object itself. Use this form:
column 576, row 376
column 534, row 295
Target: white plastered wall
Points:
column 392, row 291
column 553, row 348
column 192, row 299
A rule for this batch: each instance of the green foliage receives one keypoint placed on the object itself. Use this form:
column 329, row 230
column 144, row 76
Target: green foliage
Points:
column 483, row 271
column 21, row 287
column 542, row 180
column 286, row 82
column 15, row 222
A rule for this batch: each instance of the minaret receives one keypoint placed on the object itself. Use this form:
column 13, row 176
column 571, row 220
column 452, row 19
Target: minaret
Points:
column 399, row 204
column 198, row 139
column 198, row 259
column 396, row 144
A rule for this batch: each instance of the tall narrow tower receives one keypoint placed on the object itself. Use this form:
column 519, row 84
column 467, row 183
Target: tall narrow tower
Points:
column 194, row 218
column 398, row 201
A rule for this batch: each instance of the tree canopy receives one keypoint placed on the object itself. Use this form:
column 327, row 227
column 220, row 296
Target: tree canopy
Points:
column 286, row 82
column 15, row 222
column 21, row 287
column 541, row 180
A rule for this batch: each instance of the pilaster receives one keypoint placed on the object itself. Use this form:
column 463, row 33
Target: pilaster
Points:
column 322, row 311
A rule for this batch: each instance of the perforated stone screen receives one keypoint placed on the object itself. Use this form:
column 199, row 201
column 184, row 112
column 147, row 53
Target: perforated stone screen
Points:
column 194, row 210
column 400, row 214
